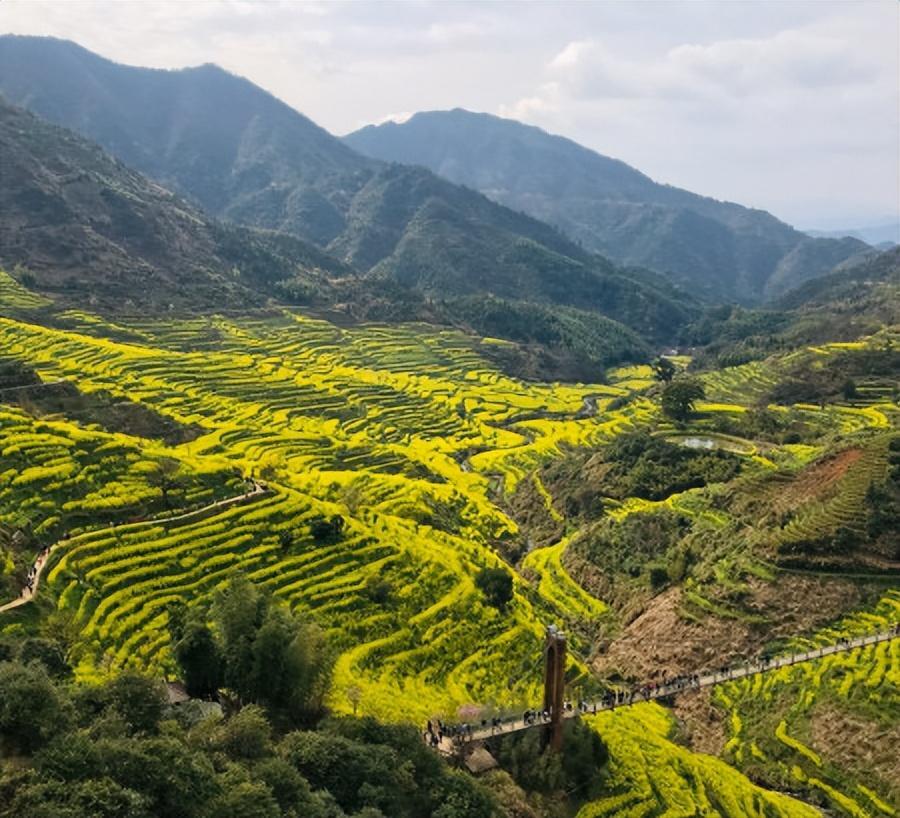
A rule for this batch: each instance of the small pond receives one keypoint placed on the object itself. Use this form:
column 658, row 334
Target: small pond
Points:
column 713, row 442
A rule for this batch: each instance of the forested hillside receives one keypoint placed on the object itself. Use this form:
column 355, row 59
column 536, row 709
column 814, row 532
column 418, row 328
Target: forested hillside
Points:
column 82, row 228
column 86, row 228
column 720, row 249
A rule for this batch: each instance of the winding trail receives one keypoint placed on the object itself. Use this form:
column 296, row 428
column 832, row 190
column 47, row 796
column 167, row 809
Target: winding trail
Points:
column 25, row 386
column 685, row 684
column 30, row 591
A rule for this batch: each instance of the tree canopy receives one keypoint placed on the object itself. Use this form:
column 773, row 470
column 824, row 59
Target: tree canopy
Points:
column 679, row 397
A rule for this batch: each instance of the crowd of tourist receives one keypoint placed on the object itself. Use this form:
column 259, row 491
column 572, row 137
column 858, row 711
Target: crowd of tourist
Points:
column 436, row 731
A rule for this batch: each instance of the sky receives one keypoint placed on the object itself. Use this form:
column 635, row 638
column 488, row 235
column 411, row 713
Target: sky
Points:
column 792, row 106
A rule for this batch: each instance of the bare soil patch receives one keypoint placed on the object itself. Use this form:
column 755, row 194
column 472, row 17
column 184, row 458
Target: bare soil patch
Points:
column 816, row 482
column 661, row 642
column 702, row 723
column 850, row 741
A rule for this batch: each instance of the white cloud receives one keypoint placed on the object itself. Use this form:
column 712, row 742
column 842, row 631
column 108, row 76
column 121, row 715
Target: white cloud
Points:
column 803, row 121
column 399, row 118
column 539, row 107
column 793, row 59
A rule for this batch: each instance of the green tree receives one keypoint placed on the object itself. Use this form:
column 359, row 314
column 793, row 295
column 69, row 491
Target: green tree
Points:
column 497, row 586
column 290, row 789
column 460, row 799
column 679, row 397
column 198, row 657
column 32, row 710
column 665, row 370
column 49, row 653
column 95, row 798
column 269, row 656
column 69, row 757
column 139, row 700
column 292, row 668
column 177, row 617
column 245, row 736
column 176, row 780
column 246, row 799
column 238, row 613
column 166, row 476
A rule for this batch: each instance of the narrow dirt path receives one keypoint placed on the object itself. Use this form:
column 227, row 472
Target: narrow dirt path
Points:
column 34, row 575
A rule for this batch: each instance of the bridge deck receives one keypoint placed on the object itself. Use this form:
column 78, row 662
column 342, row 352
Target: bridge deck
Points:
column 448, row 745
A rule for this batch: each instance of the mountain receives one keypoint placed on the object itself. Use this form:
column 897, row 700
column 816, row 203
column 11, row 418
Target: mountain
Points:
column 83, row 226
column 243, row 155
column 719, row 249
column 859, row 298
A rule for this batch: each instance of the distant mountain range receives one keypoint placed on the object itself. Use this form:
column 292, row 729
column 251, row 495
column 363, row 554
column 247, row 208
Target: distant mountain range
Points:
column 878, row 235
column 270, row 206
column 80, row 226
column 719, row 249
column 871, row 281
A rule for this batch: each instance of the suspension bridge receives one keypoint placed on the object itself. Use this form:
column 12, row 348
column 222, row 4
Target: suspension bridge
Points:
column 555, row 711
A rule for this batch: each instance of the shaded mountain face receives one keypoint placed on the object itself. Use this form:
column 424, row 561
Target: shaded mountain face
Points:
column 89, row 229
column 245, row 156
column 719, row 249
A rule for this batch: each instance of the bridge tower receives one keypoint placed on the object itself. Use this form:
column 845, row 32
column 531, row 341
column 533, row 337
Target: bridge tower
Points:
column 554, row 683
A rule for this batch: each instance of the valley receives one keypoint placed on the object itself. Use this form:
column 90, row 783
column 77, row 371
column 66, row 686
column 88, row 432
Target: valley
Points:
column 449, row 468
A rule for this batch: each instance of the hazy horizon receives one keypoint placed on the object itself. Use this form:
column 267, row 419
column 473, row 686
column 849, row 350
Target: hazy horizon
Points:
column 792, row 107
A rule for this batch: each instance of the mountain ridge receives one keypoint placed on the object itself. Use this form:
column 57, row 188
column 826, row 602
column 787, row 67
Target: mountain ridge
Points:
column 610, row 207
column 84, row 226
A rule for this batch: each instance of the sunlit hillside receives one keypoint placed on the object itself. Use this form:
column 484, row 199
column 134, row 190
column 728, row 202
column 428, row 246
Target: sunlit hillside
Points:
column 438, row 465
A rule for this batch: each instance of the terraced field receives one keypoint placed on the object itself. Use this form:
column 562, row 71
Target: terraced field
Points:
column 14, row 296
column 652, row 775
column 417, row 442
column 779, row 720
column 382, row 426
column 58, row 476
column 843, row 503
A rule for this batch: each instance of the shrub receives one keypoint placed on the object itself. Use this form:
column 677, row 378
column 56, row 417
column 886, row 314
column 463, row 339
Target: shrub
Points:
column 327, row 529
column 497, row 586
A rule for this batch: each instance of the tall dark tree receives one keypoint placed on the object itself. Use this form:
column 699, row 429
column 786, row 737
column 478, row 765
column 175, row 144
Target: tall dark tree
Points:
column 269, row 656
column 665, row 370
column 239, row 611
